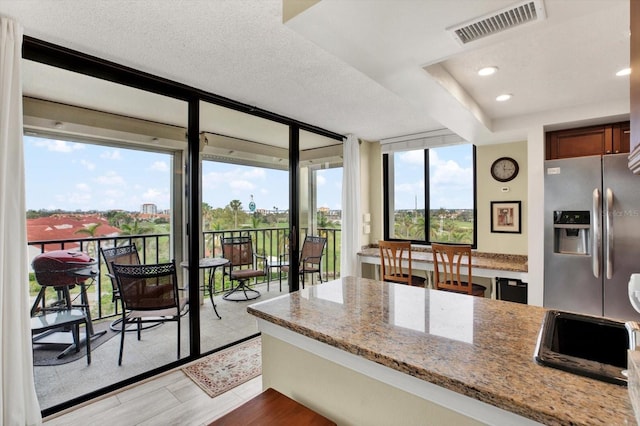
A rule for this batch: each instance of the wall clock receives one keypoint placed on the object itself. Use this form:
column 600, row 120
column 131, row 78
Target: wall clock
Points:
column 504, row 169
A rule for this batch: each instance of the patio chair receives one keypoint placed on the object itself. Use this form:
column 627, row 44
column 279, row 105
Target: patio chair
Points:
column 243, row 265
column 124, row 255
column 149, row 293
column 310, row 257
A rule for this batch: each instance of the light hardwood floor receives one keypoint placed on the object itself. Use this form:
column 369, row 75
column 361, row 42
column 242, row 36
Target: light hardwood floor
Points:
column 169, row 399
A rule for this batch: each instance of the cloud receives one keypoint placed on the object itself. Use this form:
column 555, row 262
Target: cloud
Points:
column 241, row 185
column 411, row 187
column 114, row 193
column 110, row 178
column 320, row 180
column 58, row 146
column 237, row 179
column 111, row 155
column 159, row 166
column 83, row 187
column 412, row 157
column 75, row 198
column 155, row 196
column 88, row 164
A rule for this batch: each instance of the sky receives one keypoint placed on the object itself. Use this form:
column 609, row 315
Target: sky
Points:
column 451, row 178
column 74, row 176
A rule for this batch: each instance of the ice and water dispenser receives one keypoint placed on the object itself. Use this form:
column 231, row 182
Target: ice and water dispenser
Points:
column 571, row 232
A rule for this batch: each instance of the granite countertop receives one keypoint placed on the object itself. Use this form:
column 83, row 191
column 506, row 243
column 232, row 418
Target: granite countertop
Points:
column 498, row 261
column 477, row 347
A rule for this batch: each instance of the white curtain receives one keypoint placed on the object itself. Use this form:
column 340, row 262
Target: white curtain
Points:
column 351, row 228
column 18, row 403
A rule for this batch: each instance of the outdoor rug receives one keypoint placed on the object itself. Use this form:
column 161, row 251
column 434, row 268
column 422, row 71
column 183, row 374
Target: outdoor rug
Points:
column 47, row 354
column 228, row 368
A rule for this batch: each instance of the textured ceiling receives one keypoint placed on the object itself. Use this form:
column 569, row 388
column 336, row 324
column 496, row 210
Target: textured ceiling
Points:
column 354, row 66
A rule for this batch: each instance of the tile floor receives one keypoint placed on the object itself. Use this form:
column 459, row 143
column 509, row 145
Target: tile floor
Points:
column 57, row 384
column 169, row 399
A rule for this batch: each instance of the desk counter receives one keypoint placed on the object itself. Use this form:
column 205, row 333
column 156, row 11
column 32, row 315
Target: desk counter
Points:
column 510, row 265
column 477, row 352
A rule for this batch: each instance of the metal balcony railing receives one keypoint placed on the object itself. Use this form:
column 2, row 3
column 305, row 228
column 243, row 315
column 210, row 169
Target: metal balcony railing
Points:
column 155, row 248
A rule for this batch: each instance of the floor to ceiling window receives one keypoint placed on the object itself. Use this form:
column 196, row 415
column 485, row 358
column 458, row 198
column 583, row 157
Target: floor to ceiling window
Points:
column 101, row 173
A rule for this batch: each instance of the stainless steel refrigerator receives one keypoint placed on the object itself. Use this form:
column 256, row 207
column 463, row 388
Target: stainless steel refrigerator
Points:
column 591, row 235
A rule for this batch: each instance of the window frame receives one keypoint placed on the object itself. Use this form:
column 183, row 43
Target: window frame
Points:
column 387, row 182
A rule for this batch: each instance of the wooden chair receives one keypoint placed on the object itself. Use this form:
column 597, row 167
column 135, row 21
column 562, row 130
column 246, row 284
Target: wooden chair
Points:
column 392, row 253
column 149, row 293
column 451, row 258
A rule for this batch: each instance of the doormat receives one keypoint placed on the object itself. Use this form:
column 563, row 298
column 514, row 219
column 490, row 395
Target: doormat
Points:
column 47, row 354
column 224, row 370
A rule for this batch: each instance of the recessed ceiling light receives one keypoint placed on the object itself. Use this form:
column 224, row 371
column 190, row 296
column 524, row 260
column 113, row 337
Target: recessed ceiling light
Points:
column 487, row 71
column 502, row 98
column 624, row 71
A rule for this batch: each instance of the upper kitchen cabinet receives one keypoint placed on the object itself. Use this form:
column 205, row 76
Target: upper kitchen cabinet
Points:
column 594, row 140
column 634, row 15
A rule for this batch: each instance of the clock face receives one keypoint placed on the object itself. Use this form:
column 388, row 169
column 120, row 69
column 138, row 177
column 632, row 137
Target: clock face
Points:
column 504, row 169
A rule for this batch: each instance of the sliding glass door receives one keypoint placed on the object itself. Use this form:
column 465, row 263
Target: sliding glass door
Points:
column 319, row 207
column 103, row 170
column 243, row 195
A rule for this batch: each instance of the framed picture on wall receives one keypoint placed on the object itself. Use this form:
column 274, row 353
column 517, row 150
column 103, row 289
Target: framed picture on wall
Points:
column 505, row 217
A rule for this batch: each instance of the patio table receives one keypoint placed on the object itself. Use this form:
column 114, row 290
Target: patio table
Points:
column 211, row 263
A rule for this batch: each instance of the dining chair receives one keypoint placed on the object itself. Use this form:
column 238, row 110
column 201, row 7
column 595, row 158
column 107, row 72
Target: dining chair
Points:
column 149, row 293
column 451, row 258
column 242, row 266
column 310, row 257
column 392, row 256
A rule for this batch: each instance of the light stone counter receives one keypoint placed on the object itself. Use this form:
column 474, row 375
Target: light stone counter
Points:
column 423, row 259
column 475, row 348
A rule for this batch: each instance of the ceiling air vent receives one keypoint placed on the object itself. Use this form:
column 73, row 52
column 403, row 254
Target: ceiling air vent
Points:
column 495, row 22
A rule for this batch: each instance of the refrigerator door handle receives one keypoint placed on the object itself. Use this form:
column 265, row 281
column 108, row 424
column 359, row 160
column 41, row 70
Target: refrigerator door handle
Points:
column 608, row 245
column 597, row 236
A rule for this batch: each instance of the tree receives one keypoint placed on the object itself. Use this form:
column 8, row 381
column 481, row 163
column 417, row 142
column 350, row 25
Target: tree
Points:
column 118, row 218
column 256, row 220
column 323, row 220
column 137, row 227
column 90, row 229
column 235, row 206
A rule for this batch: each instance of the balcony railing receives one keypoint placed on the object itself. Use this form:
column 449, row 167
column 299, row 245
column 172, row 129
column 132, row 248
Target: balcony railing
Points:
column 155, row 248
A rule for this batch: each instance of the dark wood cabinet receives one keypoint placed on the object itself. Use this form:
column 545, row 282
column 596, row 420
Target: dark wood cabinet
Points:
column 622, row 137
column 593, row 140
column 634, row 83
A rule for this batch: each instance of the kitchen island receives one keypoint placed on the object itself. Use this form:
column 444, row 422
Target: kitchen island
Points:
column 361, row 351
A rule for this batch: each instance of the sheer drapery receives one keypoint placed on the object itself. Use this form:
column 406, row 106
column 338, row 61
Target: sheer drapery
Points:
column 18, row 403
column 351, row 228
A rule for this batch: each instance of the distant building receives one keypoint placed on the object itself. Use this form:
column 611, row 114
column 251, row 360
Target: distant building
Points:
column 149, row 208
